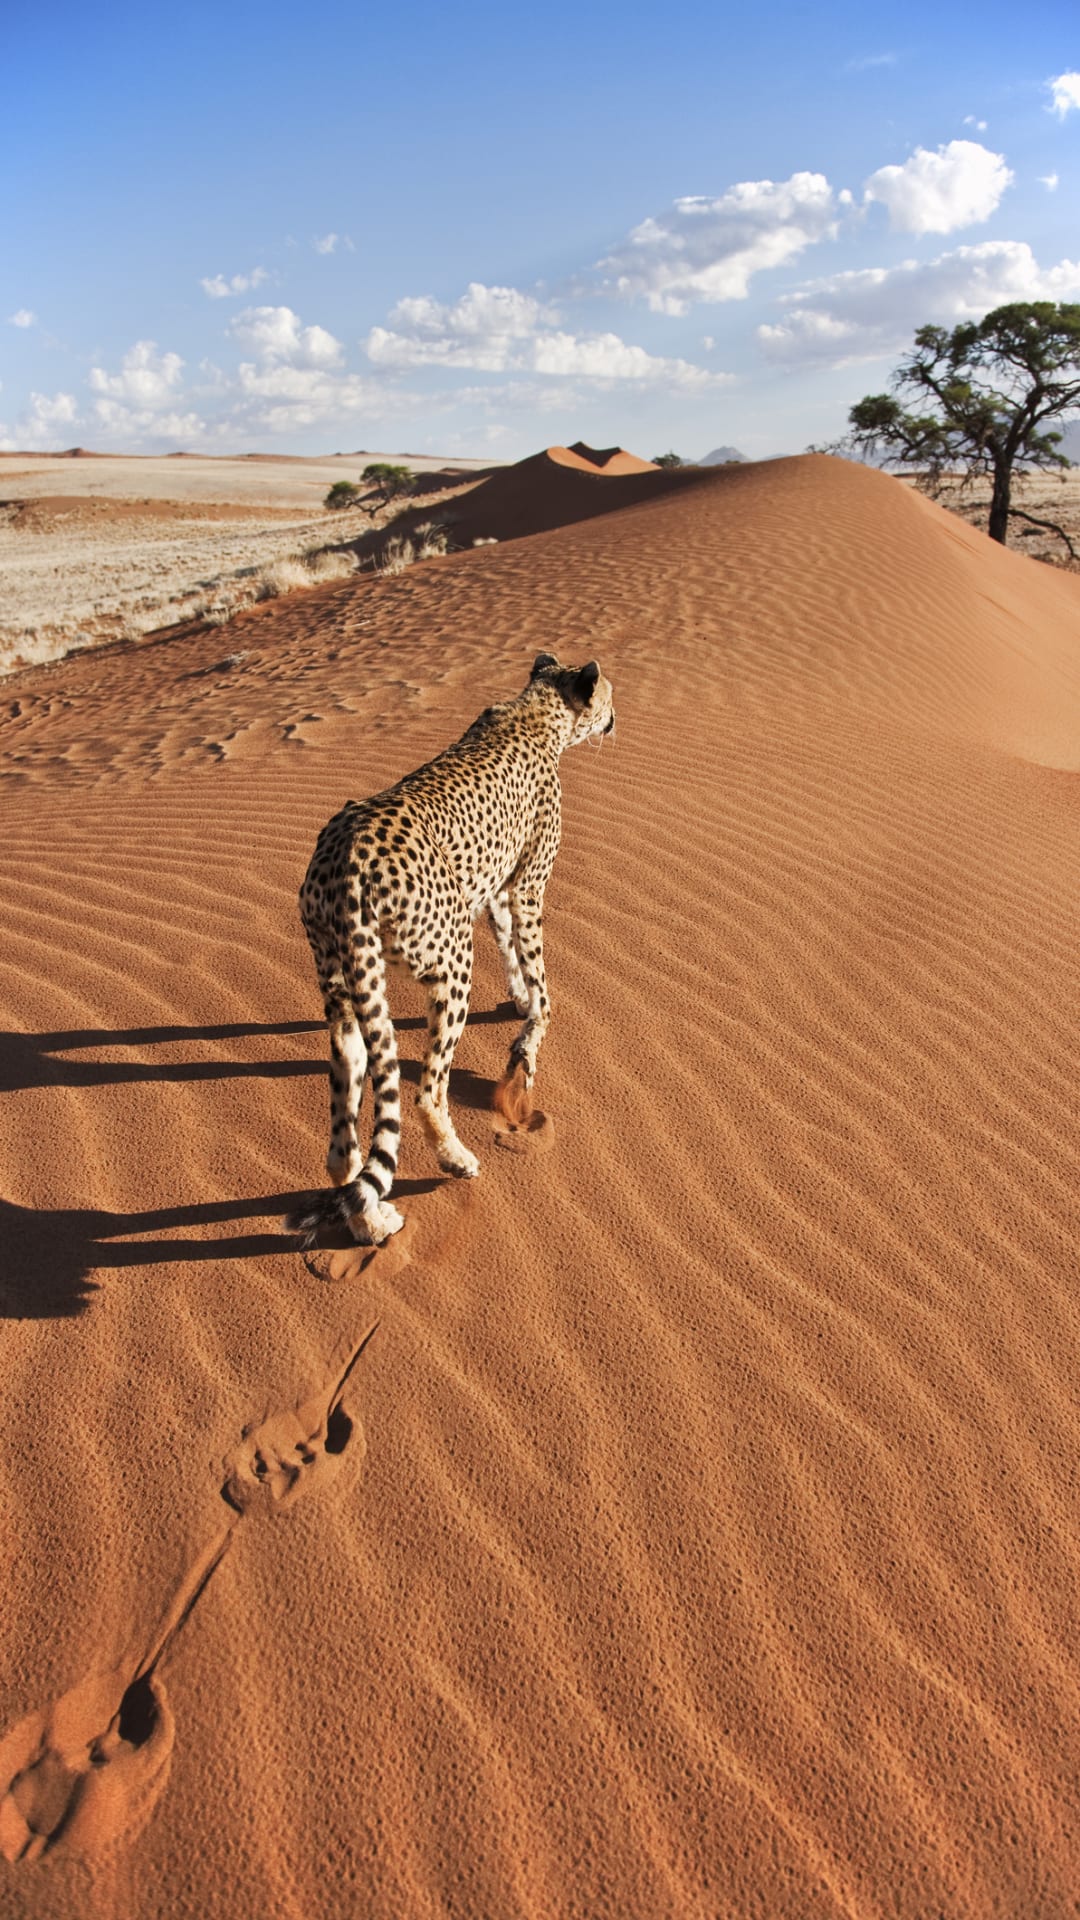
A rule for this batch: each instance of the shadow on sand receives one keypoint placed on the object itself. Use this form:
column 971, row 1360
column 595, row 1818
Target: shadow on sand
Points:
column 47, row 1256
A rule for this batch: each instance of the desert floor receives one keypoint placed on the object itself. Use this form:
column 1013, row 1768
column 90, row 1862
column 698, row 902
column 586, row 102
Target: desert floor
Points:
column 1047, row 496
column 680, row 1522
column 97, row 547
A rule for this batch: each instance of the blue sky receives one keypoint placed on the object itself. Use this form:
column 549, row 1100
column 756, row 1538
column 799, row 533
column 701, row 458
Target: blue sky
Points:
column 477, row 230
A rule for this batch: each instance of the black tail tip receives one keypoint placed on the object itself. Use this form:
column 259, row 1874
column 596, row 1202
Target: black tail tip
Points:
column 304, row 1222
column 316, row 1210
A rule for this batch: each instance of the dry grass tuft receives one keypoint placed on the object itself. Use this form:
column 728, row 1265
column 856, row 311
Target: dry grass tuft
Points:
column 433, row 538
column 396, row 556
column 289, row 576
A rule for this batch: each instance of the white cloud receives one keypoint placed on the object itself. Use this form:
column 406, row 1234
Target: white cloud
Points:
column 219, row 288
column 147, row 378
column 874, row 311
column 283, row 399
column 274, row 334
column 148, row 427
column 36, row 427
column 709, row 250
column 481, row 330
column 604, row 356
column 22, row 318
column 326, row 244
column 970, row 121
column 1064, row 94
column 500, row 330
column 1050, row 181
column 937, row 192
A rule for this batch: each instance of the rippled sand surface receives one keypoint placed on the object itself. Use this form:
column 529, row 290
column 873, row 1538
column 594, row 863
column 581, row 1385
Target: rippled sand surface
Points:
column 680, row 1522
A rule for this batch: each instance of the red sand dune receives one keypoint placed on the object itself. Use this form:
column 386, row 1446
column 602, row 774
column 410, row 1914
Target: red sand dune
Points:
column 553, row 489
column 680, row 1522
column 605, row 460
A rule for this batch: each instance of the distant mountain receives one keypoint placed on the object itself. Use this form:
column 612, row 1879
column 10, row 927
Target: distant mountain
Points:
column 718, row 456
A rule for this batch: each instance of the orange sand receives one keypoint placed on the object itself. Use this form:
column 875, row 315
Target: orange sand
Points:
column 679, row 1522
column 603, row 460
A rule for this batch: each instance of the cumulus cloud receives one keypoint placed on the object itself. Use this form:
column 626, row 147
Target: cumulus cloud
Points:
column 970, row 121
column 280, row 399
column 1050, row 181
column 274, row 334
column 500, row 329
column 937, row 192
column 874, row 311
column 38, row 424
column 219, row 288
column 148, row 427
column 147, row 378
column 1064, row 94
column 482, row 330
column 708, row 250
column 297, row 378
column 22, row 318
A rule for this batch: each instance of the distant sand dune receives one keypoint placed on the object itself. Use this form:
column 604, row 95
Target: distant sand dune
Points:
column 708, row 1545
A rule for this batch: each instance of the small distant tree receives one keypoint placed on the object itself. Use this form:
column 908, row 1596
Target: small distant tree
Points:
column 669, row 460
column 990, row 391
column 343, row 493
column 390, row 481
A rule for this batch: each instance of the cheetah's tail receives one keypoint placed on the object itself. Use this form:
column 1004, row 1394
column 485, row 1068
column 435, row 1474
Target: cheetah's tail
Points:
column 328, row 1209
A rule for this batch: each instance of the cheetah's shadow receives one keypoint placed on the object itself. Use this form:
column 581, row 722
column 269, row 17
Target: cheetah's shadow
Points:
column 47, row 1255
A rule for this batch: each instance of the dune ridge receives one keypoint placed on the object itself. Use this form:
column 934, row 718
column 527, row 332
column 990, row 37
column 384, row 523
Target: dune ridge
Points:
column 708, row 1541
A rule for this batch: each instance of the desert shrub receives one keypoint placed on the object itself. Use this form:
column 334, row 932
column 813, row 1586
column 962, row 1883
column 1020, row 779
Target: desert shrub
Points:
column 343, row 493
column 485, row 540
column 668, row 460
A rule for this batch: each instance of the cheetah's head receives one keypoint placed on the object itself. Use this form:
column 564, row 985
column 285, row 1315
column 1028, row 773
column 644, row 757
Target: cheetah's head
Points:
column 585, row 692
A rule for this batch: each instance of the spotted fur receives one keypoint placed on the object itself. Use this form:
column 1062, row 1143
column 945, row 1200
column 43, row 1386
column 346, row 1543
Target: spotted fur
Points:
column 401, row 878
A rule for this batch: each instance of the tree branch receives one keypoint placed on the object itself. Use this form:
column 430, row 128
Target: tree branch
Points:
column 1052, row 525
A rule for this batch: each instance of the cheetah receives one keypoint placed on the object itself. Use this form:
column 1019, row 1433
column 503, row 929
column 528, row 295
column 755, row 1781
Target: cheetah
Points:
column 399, row 879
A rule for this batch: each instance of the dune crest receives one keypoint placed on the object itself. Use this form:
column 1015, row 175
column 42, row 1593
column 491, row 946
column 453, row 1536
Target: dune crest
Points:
column 699, row 1534
column 604, row 460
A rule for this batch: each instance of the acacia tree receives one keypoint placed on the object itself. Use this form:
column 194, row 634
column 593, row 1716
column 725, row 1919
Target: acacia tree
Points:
column 389, row 480
column 990, row 390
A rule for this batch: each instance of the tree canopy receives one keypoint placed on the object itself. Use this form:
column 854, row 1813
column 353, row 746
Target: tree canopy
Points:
column 987, row 394
column 390, row 480
column 343, row 493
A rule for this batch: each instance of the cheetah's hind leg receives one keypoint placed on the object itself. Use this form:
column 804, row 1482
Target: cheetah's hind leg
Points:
column 448, row 1006
column 502, row 926
column 348, row 1067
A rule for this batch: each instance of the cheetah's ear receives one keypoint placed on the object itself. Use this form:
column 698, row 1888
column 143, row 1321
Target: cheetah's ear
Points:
column 542, row 660
column 585, row 684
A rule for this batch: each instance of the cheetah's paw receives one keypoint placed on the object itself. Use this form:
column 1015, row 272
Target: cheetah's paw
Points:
column 376, row 1224
column 389, row 1221
column 456, row 1159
